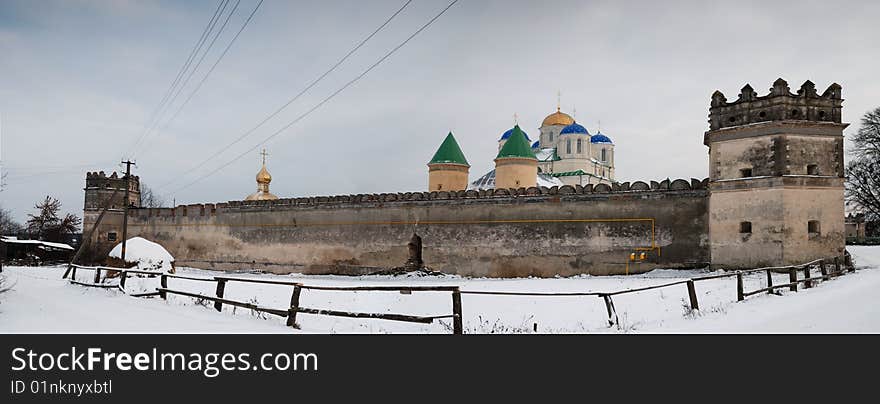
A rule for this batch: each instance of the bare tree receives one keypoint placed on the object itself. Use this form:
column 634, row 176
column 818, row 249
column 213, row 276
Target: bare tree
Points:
column 8, row 225
column 47, row 225
column 867, row 139
column 150, row 199
column 863, row 172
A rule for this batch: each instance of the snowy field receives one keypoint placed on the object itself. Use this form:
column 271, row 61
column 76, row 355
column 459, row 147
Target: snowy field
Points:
column 40, row 301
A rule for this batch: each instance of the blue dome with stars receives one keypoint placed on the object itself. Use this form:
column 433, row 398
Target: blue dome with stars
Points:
column 510, row 132
column 574, row 128
column 600, row 138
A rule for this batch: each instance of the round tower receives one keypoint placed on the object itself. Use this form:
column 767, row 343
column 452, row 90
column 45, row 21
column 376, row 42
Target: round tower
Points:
column 448, row 169
column 516, row 165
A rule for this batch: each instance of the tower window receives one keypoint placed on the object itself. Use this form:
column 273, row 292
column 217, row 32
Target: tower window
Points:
column 551, row 136
column 579, row 146
column 568, row 146
column 745, row 172
column 111, row 236
column 604, row 157
column 813, row 169
column 745, row 227
column 813, row 227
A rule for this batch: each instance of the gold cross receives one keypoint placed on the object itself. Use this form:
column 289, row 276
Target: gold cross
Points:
column 264, row 154
column 558, row 101
column 515, row 118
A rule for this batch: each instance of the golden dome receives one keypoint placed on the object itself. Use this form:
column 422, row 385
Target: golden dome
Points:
column 261, row 196
column 558, row 118
column 263, row 177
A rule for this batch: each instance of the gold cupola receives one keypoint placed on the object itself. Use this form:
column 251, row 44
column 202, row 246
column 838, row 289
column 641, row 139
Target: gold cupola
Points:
column 263, row 180
column 558, row 118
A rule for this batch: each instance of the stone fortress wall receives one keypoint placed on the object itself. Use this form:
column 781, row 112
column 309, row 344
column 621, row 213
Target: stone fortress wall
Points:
column 774, row 197
column 496, row 233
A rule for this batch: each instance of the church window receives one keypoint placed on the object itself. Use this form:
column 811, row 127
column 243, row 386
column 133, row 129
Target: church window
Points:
column 580, row 147
column 551, row 135
column 813, row 227
column 745, row 227
column 812, row 169
column 568, row 146
column 604, row 157
column 111, row 236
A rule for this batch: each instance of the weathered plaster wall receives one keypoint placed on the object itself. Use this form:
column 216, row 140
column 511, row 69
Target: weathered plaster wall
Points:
column 540, row 232
column 779, row 209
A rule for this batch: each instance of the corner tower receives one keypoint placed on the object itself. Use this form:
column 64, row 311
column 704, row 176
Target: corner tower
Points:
column 776, row 176
column 516, row 165
column 106, row 191
column 448, row 169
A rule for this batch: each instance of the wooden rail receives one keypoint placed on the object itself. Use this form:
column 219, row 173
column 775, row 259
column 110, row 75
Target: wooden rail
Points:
column 456, row 316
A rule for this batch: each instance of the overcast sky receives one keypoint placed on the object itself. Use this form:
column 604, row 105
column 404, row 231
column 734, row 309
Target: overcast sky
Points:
column 80, row 79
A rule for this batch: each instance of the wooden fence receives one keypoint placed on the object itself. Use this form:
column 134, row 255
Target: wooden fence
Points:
column 296, row 307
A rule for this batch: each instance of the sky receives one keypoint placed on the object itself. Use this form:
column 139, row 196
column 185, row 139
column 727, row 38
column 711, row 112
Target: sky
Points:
column 80, row 81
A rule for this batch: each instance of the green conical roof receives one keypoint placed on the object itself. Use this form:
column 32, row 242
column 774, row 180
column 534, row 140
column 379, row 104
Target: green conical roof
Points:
column 449, row 153
column 516, row 146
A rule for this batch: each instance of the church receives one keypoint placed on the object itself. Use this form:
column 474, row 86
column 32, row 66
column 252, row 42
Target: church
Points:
column 565, row 153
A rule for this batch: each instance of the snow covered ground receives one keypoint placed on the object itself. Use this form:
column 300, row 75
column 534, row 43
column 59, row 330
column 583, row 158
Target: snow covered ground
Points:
column 42, row 302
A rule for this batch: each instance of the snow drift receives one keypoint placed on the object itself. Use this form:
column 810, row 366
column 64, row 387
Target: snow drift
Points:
column 148, row 255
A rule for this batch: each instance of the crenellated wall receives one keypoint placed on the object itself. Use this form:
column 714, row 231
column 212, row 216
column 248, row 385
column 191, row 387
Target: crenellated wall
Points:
column 498, row 233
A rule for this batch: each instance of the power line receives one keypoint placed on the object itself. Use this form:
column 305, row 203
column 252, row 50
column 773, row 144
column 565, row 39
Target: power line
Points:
column 183, row 69
column 324, row 101
column 217, row 62
column 296, row 97
column 192, row 72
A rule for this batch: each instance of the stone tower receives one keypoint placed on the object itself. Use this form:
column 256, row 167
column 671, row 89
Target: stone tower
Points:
column 776, row 176
column 516, row 165
column 448, row 169
column 99, row 192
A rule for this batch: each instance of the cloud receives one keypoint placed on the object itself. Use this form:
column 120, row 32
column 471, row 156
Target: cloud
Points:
column 80, row 80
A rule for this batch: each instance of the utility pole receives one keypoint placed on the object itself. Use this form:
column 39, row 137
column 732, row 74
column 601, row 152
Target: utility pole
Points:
column 128, row 164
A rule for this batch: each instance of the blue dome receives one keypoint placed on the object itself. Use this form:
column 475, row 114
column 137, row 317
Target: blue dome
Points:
column 574, row 128
column 600, row 138
column 536, row 145
column 510, row 132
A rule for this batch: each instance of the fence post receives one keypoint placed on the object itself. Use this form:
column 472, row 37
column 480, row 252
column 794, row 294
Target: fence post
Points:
column 73, row 274
column 692, row 294
column 792, row 278
column 769, row 282
column 123, row 275
column 294, row 307
column 836, row 266
column 612, row 313
column 97, row 275
column 807, row 284
column 163, row 282
column 823, row 270
column 457, row 327
column 221, row 287
column 739, row 287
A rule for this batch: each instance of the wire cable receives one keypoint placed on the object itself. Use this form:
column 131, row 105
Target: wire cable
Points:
column 324, row 101
column 292, row 100
column 202, row 81
column 155, row 117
